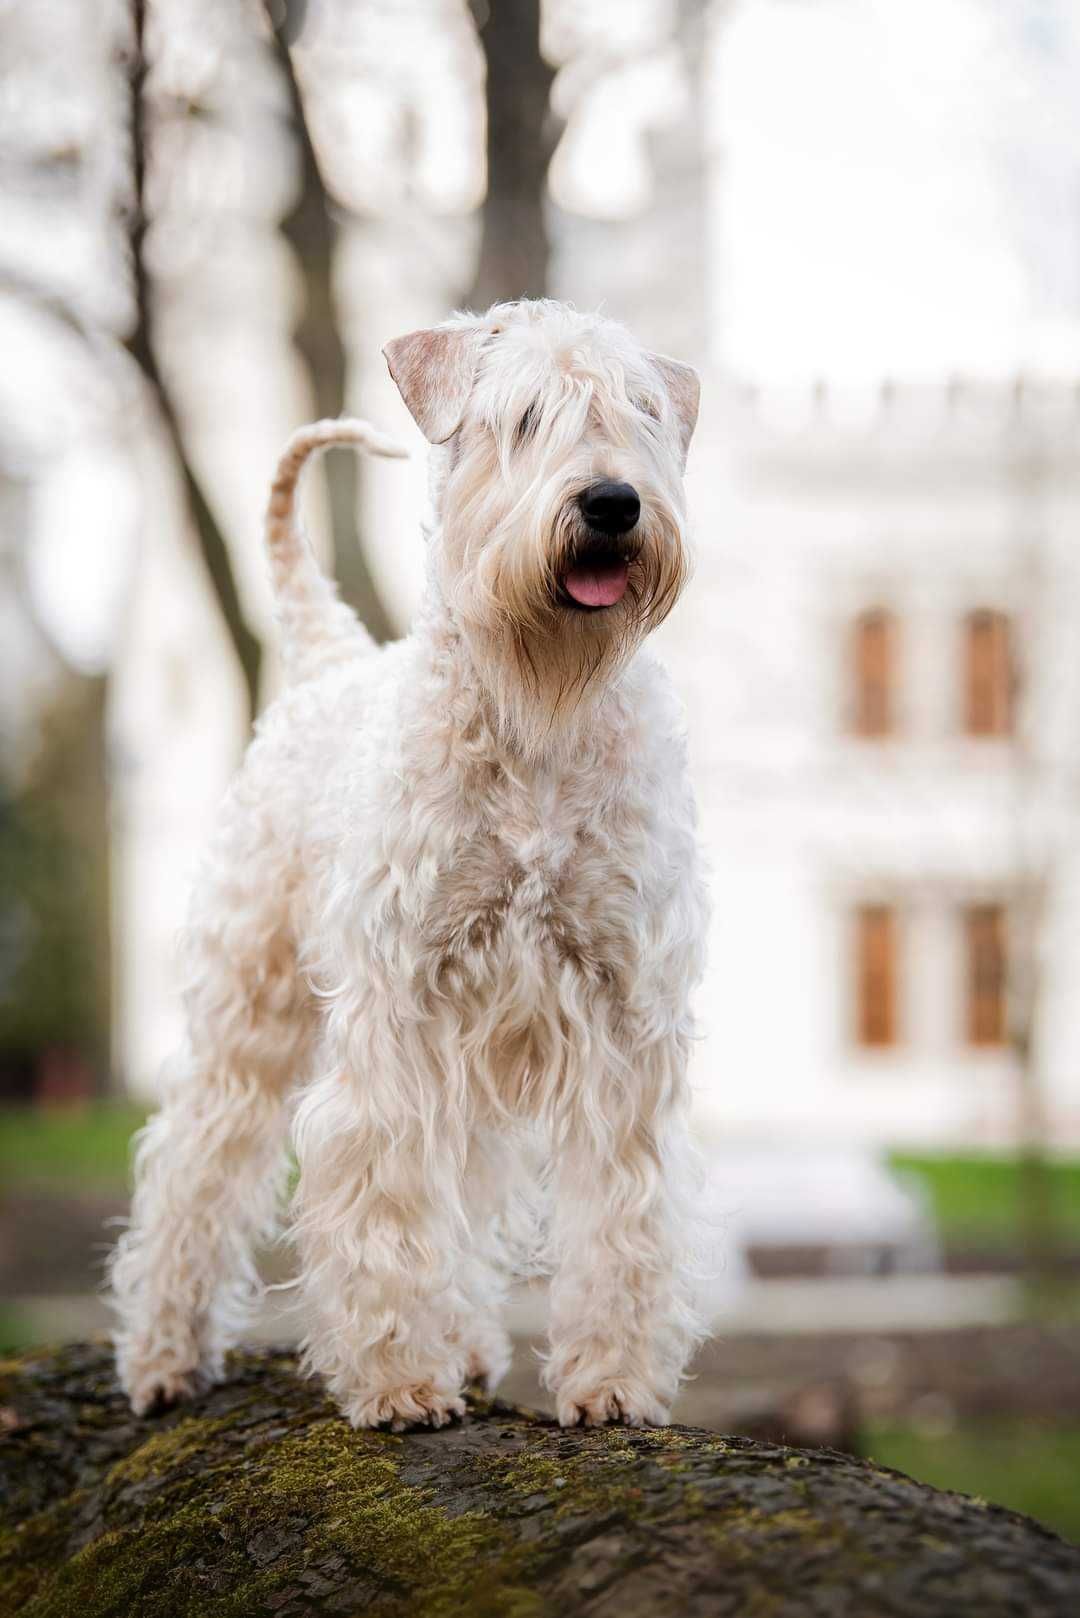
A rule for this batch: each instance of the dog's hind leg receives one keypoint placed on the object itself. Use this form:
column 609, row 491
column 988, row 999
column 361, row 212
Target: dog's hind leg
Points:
column 209, row 1167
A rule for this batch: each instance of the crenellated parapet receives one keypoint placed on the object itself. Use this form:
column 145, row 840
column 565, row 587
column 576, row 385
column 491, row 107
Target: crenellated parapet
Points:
column 968, row 427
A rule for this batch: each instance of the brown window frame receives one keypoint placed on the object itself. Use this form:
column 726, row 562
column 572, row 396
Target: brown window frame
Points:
column 877, row 976
column 988, row 673
column 986, row 965
column 874, row 648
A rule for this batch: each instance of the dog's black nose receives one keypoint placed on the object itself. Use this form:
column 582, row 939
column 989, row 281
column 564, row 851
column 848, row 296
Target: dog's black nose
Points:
column 613, row 508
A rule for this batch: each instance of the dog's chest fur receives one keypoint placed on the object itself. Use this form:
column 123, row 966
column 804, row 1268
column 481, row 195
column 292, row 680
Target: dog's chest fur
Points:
column 527, row 935
column 512, row 920
column 537, row 884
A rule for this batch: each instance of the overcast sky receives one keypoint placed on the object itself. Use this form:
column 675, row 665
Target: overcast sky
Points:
column 900, row 187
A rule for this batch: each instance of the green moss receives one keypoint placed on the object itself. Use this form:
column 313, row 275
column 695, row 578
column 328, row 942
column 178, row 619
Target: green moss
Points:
column 529, row 1472
column 672, row 1438
column 387, row 1528
column 278, row 1512
column 597, row 1480
column 29, row 1548
column 165, row 1450
column 741, row 1534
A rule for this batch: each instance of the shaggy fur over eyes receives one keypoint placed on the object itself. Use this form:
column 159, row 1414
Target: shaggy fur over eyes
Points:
column 449, row 924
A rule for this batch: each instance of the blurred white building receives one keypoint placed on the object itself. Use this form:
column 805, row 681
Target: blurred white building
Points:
column 882, row 668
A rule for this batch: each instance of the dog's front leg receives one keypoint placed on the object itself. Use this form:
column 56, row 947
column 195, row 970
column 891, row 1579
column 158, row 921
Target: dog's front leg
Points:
column 622, row 1317
column 380, row 1228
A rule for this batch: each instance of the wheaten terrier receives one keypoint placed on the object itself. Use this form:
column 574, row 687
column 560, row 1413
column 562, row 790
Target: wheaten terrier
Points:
column 453, row 909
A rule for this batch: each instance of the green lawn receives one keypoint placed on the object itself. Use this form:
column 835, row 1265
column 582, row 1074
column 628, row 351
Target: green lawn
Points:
column 1009, row 1462
column 977, row 1198
column 77, row 1149
column 16, row 1332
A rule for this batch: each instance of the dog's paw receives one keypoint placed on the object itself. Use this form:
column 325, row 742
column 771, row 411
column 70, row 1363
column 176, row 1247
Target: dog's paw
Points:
column 611, row 1399
column 164, row 1366
column 152, row 1391
column 487, row 1358
column 411, row 1404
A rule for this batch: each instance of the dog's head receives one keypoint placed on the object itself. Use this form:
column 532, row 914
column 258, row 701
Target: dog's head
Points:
column 558, row 487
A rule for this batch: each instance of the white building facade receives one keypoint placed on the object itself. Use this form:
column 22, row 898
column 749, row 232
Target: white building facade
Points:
column 882, row 667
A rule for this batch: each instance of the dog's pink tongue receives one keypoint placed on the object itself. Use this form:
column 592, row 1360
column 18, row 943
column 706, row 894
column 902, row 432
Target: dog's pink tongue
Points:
column 597, row 586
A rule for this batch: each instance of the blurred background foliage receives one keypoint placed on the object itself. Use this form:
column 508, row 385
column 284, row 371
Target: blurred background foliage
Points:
column 54, row 947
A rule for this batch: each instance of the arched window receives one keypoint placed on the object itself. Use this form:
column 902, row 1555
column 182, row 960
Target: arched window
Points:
column 874, row 708
column 988, row 674
column 986, row 940
column 876, row 975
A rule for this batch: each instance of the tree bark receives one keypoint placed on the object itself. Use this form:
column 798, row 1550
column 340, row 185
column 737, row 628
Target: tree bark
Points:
column 514, row 244
column 257, row 1498
column 310, row 230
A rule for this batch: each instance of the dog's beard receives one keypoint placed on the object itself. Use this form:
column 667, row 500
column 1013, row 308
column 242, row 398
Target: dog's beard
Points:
column 544, row 658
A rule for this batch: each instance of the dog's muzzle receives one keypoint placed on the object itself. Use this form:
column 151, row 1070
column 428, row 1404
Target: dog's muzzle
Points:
column 599, row 567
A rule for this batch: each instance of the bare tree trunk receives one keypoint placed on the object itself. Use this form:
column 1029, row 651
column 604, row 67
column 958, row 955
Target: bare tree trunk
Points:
column 520, row 140
column 310, row 231
column 140, row 345
column 258, row 1499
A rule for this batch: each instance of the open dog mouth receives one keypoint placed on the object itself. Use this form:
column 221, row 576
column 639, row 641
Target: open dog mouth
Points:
column 597, row 576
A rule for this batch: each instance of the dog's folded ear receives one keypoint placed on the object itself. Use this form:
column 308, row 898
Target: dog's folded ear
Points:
column 684, row 390
column 434, row 371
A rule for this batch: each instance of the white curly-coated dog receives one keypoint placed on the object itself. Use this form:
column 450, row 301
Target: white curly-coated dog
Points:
column 453, row 909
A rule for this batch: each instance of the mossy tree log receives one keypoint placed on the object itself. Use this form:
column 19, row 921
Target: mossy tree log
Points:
column 258, row 1499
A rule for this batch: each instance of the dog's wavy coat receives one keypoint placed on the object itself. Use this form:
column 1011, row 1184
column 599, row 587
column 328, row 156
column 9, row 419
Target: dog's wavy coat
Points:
column 453, row 902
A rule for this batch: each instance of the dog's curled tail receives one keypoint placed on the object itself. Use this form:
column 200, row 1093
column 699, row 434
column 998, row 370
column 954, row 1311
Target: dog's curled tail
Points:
column 316, row 627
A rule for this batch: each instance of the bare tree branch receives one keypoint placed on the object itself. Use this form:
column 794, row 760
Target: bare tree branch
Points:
column 140, row 345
